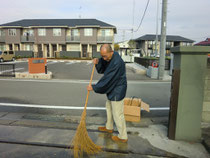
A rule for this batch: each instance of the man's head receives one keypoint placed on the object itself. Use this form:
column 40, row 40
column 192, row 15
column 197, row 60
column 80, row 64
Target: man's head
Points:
column 106, row 52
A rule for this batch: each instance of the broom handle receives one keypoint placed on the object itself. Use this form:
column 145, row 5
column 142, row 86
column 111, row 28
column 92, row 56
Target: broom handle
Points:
column 89, row 84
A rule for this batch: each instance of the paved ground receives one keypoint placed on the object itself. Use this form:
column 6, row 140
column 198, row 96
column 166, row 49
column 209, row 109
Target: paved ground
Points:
column 73, row 93
column 23, row 137
column 37, row 132
column 69, row 70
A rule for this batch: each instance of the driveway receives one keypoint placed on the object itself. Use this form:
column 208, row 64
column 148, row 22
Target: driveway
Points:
column 76, row 70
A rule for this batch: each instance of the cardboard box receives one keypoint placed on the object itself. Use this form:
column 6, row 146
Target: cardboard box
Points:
column 132, row 109
column 132, row 101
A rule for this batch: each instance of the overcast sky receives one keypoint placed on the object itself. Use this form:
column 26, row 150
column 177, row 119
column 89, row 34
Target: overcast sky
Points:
column 187, row 18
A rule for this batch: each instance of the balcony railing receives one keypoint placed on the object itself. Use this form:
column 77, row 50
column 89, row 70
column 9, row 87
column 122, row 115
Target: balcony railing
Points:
column 27, row 39
column 72, row 38
column 2, row 38
column 105, row 39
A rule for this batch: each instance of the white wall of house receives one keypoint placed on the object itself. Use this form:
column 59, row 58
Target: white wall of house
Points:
column 73, row 47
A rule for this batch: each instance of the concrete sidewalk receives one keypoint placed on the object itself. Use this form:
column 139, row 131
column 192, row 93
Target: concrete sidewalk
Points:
column 26, row 135
column 141, row 70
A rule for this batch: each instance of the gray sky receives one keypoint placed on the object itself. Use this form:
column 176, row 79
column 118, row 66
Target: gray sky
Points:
column 187, row 18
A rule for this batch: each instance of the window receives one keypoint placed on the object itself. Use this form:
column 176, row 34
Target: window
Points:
column 2, row 47
column 74, row 47
column 105, row 32
column 11, row 52
column 29, row 33
column 150, row 42
column 2, row 33
column 10, row 47
column 56, row 32
column 88, row 32
column 12, row 32
column 94, row 48
column 74, row 32
column 63, row 47
column 42, row 32
column 28, row 47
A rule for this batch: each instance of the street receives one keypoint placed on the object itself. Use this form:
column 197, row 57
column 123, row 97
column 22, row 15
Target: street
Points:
column 73, row 93
column 68, row 88
column 38, row 118
column 58, row 104
column 75, row 70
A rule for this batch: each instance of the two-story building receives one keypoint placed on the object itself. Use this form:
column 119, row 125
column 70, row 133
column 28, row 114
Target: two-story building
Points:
column 50, row 38
column 147, row 44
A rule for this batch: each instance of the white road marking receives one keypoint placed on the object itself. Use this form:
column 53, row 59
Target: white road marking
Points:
column 80, row 81
column 88, row 63
column 67, row 107
column 13, row 62
column 11, row 70
column 69, row 63
column 52, row 62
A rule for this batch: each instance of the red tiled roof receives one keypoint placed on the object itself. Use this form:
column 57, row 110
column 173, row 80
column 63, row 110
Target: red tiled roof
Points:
column 204, row 43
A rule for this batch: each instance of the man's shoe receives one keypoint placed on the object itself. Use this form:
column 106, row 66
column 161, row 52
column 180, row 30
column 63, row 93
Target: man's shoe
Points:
column 117, row 139
column 103, row 129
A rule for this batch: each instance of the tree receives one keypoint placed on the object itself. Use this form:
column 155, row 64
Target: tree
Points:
column 116, row 47
column 132, row 44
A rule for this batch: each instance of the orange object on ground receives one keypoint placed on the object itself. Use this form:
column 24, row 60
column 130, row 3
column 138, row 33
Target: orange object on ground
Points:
column 103, row 129
column 36, row 65
column 117, row 139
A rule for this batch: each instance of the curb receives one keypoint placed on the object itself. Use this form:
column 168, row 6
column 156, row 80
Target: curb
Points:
column 24, row 75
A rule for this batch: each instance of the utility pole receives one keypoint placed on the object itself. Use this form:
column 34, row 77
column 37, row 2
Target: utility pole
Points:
column 161, row 69
column 157, row 24
column 133, row 18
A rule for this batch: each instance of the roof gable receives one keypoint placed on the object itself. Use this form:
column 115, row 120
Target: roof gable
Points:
column 169, row 38
column 58, row 22
column 204, row 43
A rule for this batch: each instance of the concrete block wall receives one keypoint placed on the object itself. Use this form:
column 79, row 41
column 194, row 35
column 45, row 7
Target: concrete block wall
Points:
column 206, row 100
column 71, row 54
column 24, row 53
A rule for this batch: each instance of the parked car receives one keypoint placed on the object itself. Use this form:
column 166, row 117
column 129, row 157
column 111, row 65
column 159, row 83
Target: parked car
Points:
column 7, row 56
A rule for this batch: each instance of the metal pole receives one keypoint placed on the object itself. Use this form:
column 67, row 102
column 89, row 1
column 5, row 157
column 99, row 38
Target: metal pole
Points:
column 162, row 41
column 133, row 18
column 157, row 24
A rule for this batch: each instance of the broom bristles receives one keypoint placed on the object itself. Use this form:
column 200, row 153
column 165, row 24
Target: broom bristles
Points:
column 82, row 142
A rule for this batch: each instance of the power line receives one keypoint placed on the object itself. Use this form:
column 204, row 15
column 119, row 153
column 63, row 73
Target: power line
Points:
column 143, row 16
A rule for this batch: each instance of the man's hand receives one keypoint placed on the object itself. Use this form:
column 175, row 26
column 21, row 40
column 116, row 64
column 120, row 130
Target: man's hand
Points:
column 89, row 88
column 95, row 61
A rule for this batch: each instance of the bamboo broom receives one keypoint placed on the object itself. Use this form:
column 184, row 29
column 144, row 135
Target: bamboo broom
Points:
column 82, row 142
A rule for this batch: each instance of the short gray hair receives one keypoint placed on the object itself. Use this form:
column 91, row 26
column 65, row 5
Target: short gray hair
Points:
column 107, row 47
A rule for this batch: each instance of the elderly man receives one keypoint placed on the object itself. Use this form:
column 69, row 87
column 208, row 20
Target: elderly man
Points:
column 114, row 85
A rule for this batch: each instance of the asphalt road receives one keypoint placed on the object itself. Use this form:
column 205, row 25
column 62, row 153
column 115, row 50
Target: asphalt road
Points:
column 68, row 88
column 77, row 70
column 73, row 93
